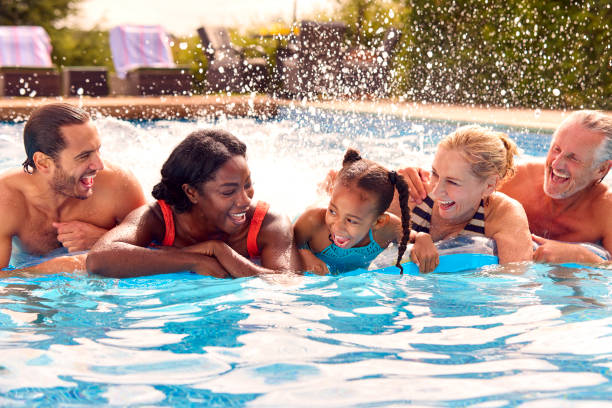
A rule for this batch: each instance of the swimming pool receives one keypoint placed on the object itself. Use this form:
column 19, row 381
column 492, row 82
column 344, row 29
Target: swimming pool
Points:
column 525, row 335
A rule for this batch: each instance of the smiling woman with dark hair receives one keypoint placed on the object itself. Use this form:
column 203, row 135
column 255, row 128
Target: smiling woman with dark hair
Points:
column 204, row 219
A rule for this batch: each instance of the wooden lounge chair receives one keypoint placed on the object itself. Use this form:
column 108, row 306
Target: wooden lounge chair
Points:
column 144, row 64
column 82, row 80
column 365, row 71
column 311, row 65
column 228, row 67
column 25, row 62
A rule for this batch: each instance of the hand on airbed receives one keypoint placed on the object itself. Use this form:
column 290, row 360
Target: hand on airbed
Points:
column 416, row 178
column 77, row 235
column 552, row 251
column 424, row 253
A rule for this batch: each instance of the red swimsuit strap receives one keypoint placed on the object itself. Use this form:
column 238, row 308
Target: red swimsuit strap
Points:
column 260, row 212
column 168, row 222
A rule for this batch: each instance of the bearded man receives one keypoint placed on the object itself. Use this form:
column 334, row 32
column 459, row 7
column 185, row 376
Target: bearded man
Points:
column 66, row 195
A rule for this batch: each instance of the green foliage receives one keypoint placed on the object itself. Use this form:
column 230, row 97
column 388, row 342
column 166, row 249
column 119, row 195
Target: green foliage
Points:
column 78, row 48
column 188, row 51
column 519, row 53
column 530, row 53
column 368, row 19
column 36, row 12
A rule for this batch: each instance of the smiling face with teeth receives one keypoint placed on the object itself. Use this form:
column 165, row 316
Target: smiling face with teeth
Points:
column 351, row 213
column 76, row 166
column 570, row 163
column 225, row 199
column 456, row 190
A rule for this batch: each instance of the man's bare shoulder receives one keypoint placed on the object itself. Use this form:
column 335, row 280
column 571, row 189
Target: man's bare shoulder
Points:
column 526, row 182
column 115, row 177
column 532, row 170
column 602, row 200
column 14, row 187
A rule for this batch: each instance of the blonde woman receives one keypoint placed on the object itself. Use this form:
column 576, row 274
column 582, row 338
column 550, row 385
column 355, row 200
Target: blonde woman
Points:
column 462, row 198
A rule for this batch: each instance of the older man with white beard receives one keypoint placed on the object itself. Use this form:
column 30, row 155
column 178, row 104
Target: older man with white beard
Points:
column 564, row 198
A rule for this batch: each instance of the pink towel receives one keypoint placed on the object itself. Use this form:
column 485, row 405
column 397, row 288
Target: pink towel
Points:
column 24, row 46
column 136, row 46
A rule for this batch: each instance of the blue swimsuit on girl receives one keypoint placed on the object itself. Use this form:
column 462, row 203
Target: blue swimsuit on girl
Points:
column 341, row 260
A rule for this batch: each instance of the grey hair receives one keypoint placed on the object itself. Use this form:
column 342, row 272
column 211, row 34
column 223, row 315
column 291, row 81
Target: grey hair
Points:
column 599, row 122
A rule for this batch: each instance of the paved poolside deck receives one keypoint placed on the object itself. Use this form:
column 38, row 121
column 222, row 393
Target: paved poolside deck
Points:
column 150, row 107
column 171, row 107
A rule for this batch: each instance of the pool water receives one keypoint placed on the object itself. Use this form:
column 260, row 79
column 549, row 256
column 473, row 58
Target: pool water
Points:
column 522, row 335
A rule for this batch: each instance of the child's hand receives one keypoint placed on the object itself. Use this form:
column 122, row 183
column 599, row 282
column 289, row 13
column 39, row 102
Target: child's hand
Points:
column 313, row 264
column 424, row 253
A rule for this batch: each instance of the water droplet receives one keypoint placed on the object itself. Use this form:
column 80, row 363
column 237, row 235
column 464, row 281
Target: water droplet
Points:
column 556, row 92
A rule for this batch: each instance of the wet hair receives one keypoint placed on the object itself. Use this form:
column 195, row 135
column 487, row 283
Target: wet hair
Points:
column 598, row 122
column 42, row 132
column 195, row 161
column 374, row 178
column 487, row 151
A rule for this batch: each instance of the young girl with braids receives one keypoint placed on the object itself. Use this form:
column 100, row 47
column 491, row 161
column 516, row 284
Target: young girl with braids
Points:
column 355, row 226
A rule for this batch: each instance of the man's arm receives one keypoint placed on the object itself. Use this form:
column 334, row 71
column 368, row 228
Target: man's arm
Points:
column 129, row 189
column 69, row 263
column 12, row 209
column 6, row 248
column 551, row 251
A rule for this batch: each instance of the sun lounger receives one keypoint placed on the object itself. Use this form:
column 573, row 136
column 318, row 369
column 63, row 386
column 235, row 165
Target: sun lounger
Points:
column 144, row 64
column 82, row 80
column 311, row 65
column 25, row 62
column 365, row 71
column 228, row 67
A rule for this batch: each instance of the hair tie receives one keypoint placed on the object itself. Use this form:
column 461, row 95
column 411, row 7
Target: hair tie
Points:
column 393, row 177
